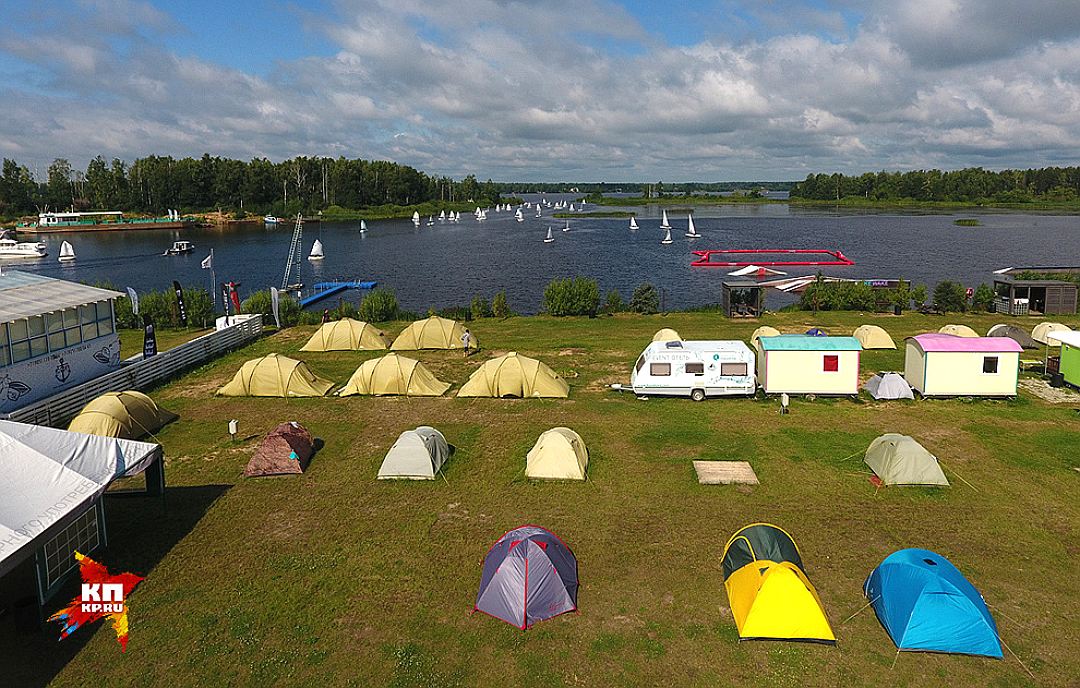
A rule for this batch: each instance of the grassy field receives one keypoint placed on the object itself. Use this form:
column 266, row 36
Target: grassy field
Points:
column 333, row 578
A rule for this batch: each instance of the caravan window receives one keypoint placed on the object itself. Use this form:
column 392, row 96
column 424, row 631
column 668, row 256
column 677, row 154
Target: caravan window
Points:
column 733, row 369
column 831, row 363
column 660, row 369
column 990, row 365
column 640, row 363
column 694, row 368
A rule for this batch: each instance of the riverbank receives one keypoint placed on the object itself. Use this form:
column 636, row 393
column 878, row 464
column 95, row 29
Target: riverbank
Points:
column 335, row 576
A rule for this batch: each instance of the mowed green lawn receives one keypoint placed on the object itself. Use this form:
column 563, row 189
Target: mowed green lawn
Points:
column 333, row 578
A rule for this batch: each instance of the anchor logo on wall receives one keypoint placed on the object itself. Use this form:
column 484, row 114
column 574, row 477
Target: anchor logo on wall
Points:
column 63, row 370
column 13, row 389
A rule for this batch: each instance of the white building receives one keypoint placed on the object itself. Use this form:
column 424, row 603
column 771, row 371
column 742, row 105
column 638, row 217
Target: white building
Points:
column 54, row 334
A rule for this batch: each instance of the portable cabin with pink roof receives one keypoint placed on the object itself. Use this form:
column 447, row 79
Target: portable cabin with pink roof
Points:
column 949, row 366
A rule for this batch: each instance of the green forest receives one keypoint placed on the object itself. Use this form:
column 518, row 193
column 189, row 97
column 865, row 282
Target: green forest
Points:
column 156, row 183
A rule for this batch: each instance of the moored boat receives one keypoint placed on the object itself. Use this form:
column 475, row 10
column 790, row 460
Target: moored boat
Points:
column 111, row 220
column 9, row 248
column 180, row 248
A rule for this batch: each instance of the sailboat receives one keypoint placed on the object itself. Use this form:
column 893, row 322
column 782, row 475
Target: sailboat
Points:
column 416, row 218
column 567, row 227
column 633, row 222
column 571, row 207
column 67, row 254
column 667, row 236
column 664, row 224
column 363, row 226
column 691, row 231
column 430, row 220
column 548, row 239
column 316, row 251
column 519, row 216
column 442, row 216
column 538, row 211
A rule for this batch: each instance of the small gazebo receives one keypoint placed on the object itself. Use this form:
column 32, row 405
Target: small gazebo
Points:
column 742, row 298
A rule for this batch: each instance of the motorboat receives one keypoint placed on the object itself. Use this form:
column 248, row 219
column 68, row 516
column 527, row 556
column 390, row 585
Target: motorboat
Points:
column 270, row 220
column 179, row 248
column 9, row 248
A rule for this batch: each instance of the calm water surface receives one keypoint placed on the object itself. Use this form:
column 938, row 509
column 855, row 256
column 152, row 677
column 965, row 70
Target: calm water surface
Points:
column 448, row 264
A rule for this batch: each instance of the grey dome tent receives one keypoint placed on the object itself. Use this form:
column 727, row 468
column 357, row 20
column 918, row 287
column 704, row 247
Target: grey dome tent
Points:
column 889, row 386
column 1013, row 332
column 900, row 460
column 416, row 455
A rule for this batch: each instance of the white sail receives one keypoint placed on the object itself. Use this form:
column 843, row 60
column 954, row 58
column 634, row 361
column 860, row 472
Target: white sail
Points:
column 316, row 251
column 667, row 237
column 571, row 207
column 567, row 227
column 430, row 220
column 67, row 253
column 691, row 231
column 549, row 238
column 633, row 222
column 538, row 211
column 442, row 215
column 664, row 221
column 363, row 226
column 519, row 216
column 416, row 218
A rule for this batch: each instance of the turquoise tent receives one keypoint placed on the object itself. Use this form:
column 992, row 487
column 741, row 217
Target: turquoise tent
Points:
column 926, row 605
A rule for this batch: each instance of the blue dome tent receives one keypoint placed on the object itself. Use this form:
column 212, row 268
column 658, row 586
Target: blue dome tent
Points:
column 926, row 604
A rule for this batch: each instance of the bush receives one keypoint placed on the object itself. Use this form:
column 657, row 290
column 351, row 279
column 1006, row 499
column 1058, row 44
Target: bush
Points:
column 161, row 307
column 288, row 308
column 378, row 306
column 480, row 308
column 983, row 299
column 571, row 296
column 613, row 303
column 500, row 308
column 950, row 297
column 645, row 299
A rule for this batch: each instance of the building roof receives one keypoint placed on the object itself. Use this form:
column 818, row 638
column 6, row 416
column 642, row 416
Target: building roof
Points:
column 803, row 342
column 701, row 346
column 1070, row 337
column 1017, row 282
column 25, row 294
column 933, row 342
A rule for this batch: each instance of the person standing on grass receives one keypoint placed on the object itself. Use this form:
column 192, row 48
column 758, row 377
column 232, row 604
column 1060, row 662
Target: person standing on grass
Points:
column 326, row 315
column 465, row 339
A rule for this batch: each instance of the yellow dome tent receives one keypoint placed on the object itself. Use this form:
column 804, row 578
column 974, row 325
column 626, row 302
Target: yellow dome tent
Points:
column 666, row 335
column 347, row 335
column 958, row 331
column 394, row 375
column 559, row 454
column 432, row 333
column 873, row 337
column 1044, row 328
column 275, row 376
column 127, row 415
column 764, row 331
column 512, row 375
column 768, row 592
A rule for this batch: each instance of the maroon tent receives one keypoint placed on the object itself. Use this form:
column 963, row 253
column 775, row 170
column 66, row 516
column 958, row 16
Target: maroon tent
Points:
column 529, row 575
column 286, row 449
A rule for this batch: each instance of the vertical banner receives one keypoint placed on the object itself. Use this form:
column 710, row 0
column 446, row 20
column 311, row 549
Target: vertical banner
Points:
column 149, row 347
column 234, row 296
column 225, row 301
column 275, row 304
column 134, row 297
column 180, row 307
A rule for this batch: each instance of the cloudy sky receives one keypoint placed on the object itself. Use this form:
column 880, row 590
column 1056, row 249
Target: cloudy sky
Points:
column 549, row 89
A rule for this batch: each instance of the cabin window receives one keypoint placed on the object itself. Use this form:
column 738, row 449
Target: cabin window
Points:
column 733, row 369
column 640, row 363
column 990, row 365
column 831, row 363
column 694, row 368
column 660, row 369
column 4, row 355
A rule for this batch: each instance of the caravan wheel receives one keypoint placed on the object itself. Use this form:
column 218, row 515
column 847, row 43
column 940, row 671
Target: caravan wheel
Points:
column 697, row 395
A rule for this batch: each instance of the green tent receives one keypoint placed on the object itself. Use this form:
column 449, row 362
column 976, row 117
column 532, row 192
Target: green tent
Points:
column 900, row 460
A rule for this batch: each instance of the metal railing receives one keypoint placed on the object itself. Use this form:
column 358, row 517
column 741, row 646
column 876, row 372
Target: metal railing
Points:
column 138, row 374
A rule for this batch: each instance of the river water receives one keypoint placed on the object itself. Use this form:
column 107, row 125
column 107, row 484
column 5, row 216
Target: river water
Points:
column 447, row 264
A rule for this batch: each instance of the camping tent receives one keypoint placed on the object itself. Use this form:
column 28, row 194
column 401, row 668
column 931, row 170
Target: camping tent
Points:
column 286, row 449
column 393, row 374
column 130, row 415
column 559, row 454
column 416, row 455
column 666, row 335
column 432, row 333
column 873, row 337
column 1013, row 332
column 1039, row 332
column 889, row 386
column 764, row 331
column 817, row 332
column 275, row 376
column 529, row 575
column 512, row 375
column 958, row 331
column 926, row 604
column 900, row 460
column 768, row 592
column 347, row 335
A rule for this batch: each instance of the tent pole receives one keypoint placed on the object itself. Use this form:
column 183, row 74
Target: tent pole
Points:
column 861, row 609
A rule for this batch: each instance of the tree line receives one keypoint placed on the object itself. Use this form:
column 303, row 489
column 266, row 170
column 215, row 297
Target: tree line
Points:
column 156, row 183
column 970, row 185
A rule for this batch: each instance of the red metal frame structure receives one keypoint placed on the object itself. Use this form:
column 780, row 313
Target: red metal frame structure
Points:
column 704, row 258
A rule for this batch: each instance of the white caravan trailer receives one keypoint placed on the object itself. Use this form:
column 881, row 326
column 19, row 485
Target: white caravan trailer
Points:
column 694, row 369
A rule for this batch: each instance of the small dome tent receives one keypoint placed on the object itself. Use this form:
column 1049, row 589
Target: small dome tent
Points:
column 666, row 335
column 513, row 375
column 768, row 592
column 559, row 454
column 1039, row 332
column 900, row 460
column 432, row 333
column 285, row 450
column 764, row 331
column 127, row 415
column 1014, row 333
column 529, row 575
column 275, row 376
column 873, row 337
column 391, row 375
column 889, row 386
column 416, row 455
column 926, row 605
column 817, row 332
column 958, row 331
column 347, row 335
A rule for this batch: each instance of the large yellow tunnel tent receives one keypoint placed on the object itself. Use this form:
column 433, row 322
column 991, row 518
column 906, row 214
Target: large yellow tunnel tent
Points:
column 873, row 337
column 559, row 454
column 513, row 375
column 764, row 331
column 394, row 375
column 128, row 415
column 347, row 335
column 274, row 375
column 666, row 335
column 432, row 333
column 958, row 331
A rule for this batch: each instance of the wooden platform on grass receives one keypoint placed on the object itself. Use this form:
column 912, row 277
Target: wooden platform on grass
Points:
column 725, row 473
